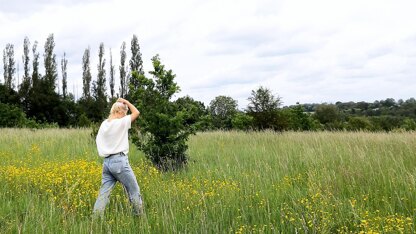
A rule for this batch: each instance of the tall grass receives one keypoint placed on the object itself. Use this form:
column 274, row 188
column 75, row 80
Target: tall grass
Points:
column 236, row 182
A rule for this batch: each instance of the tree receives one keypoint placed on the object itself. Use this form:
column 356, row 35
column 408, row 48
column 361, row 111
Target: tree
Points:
column 327, row 113
column 263, row 107
column 242, row 121
column 35, row 65
column 262, row 100
column 409, row 124
column 99, row 88
column 31, row 106
column 123, row 71
column 136, row 63
column 299, row 120
column 9, row 96
column 86, row 102
column 51, row 73
column 64, row 63
column 26, row 85
column 9, row 65
column 222, row 110
column 45, row 104
column 86, row 74
column 193, row 110
column 26, row 59
column 112, row 74
column 330, row 116
column 385, row 123
column 163, row 128
column 359, row 123
column 11, row 116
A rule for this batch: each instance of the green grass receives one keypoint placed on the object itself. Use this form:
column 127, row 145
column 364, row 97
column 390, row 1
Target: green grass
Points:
column 236, row 182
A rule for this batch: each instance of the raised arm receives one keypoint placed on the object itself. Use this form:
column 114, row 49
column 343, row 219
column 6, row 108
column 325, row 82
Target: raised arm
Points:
column 134, row 112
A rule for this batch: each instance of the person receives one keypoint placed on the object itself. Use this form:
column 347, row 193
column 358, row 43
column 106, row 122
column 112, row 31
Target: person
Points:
column 113, row 145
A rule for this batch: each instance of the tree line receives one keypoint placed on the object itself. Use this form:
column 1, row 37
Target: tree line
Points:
column 39, row 102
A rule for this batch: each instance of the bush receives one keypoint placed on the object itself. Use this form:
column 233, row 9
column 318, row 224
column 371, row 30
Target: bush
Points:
column 409, row 124
column 163, row 130
column 359, row 123
column 11, row 116
column 242, row 121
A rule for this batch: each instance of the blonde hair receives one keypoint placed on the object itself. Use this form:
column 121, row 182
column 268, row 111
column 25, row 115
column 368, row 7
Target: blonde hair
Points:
column 118, row 107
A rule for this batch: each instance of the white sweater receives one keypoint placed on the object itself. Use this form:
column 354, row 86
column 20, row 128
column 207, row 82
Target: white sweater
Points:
column 112, row 136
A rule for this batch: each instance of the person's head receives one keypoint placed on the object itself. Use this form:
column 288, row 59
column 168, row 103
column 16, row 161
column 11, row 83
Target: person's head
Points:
column 118, row 110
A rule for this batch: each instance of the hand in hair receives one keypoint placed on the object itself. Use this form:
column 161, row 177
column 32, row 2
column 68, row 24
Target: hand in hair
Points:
column 134, row 112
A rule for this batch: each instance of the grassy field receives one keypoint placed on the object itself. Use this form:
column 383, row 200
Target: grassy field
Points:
column 235, row 183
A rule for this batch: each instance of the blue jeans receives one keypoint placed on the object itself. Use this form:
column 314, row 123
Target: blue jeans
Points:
column 117, row 168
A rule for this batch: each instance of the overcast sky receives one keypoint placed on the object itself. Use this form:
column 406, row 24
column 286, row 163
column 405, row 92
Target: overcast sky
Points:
column 304, row 51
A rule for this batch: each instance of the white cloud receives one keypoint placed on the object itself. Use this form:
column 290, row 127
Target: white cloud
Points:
column 306, row 51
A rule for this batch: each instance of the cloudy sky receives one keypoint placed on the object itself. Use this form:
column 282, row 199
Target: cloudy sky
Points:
column 304, row 51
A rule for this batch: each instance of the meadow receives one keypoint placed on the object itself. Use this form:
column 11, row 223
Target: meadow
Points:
column 235, row 182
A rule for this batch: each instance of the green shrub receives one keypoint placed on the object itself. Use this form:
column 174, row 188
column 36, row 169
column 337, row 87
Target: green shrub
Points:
column 11, row 116
column 162, row 126
column 242, row 121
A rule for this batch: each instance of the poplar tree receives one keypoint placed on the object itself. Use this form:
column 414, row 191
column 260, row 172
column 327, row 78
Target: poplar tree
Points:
column 99, row 85
column 45, row 105
column 99, row 88
column 123, row 73
column 51, row 73
column 64, row 63
column 26, row 59
column 136, row 63
column 35, row 65
column 5, row 66
column 9, row 65
column 86, row 103
column 86, row 74
column 112, row 74
column 24, row 90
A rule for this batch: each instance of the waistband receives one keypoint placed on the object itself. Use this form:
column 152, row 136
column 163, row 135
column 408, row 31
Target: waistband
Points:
column 116, row 154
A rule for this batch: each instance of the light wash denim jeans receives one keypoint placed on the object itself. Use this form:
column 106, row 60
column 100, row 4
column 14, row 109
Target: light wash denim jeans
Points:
column 117, row 168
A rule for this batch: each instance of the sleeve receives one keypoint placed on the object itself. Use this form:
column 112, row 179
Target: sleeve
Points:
column 127, row 121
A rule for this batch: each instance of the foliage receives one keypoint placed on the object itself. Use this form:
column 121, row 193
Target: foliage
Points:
column 86, row 74
column 385, row 123
column 64, row 64
column 36, row 76
column 329, row 116
column 136, row 63
column 359, row 124
column 7, row 95
column 242, row 121
column 9, row 65
column 409, row 124
column 25, row 86
column 100, row 108
column 164, row 127
column 38, row 98
column 222, row 110
column 112, row 76
column 123, row 71
column 299, row 120
column 263, row 107
column 49, row 61
column 84, row 122
column 193, row 111
column 11, row 116
column 42, row 103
